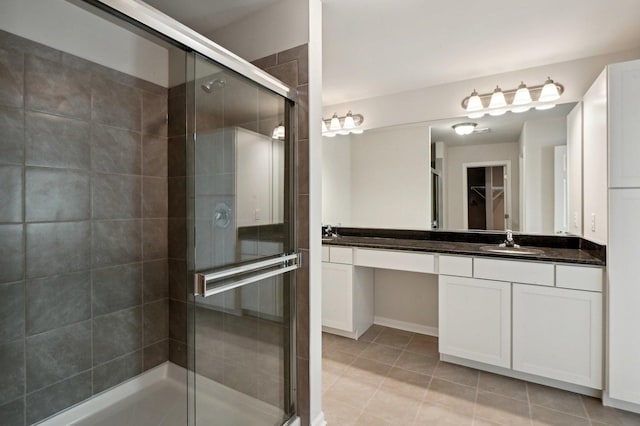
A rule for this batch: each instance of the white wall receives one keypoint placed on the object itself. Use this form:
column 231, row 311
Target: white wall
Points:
column 410, row 298
column 275, row 28
column 336, row 180
column 537, row 140
column 437, row 102
column 63, row 26
column 390, row 168
column 457, row 156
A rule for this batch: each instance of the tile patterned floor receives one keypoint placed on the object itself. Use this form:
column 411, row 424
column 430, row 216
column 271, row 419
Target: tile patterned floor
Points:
column 393, row 377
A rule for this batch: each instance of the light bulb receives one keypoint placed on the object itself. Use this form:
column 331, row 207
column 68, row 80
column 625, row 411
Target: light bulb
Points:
column 349, row 124
column 521, row 98
column 549, row 91
column 474, row 104
column 497, row 101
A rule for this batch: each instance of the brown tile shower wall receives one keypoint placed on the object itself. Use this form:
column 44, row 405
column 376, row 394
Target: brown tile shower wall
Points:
column 84, row 297
column 291, row 66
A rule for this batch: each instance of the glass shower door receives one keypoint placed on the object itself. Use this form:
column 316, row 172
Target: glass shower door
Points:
column 242, row 256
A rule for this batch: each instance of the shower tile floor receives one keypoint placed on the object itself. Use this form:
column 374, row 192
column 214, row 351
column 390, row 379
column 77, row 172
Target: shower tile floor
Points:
column 393, row 377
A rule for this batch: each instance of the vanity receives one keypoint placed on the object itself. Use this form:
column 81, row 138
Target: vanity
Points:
column 538, row 317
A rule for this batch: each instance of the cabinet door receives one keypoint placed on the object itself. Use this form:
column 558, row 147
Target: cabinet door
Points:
column 475, row 319
column 624, row 126
column 337, row 296
column 557, row 333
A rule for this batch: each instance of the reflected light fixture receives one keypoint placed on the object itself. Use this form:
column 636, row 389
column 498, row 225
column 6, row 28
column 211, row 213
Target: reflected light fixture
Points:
column 463, row 129
column 278, row 132
column 350, row 123
column 522, row 99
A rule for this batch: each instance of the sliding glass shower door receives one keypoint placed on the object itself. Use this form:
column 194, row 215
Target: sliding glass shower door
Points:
column 241, row 251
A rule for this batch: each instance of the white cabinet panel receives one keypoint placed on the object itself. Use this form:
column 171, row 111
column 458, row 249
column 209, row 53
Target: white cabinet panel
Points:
column 399, row 260
column 325, row 253
column 579, row 277
column 557, row 333
column 624, row 125
column 574, row 169
column 624, row 295
column 455, row 265
column 341, row 255
column 337, row 296
column 475, row 319
column 514, row 271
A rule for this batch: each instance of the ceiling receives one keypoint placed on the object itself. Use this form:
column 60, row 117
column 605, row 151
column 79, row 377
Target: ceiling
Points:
column 377, row 47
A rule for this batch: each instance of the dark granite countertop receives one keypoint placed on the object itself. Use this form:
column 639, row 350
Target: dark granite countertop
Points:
column 555, row 249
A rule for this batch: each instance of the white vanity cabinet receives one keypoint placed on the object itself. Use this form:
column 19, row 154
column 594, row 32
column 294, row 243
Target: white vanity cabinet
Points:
column 475, row 319
column 347, row 294
column 557, row 333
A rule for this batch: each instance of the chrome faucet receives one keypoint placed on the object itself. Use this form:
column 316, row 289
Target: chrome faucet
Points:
column 508, row 242
column 330, row 232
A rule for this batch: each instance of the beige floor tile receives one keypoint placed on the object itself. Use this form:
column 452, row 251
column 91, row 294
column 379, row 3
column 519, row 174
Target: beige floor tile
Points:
column 483, row 422
column 456, row 374
column 381, row 353
column 426, row 345
column 436, row 415
column 416, row 362
column 502, row 385
column 393, row 407
column 502, row 410
column 452, row 395
column 556, row 399
column 336, row 361
column 546, row 417
column 350, row 346
column 367, row 371
column 369, row 420
column 393, row 337
column 328, row 379
column 608, row 415
column 371, row 333
column 337, row 412
column 328, row 340
column 352, row 392
column 407, row 383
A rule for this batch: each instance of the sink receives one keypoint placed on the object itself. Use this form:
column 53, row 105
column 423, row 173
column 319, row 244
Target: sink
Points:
column 326, row 239
column 512, row 250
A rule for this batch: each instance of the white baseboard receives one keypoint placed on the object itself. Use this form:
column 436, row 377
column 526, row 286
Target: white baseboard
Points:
column 319, row 420
column 406, row 326
column 596, row 393
column 607, row 401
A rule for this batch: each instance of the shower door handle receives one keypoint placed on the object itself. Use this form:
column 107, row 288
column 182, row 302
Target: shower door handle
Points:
column 240, row 276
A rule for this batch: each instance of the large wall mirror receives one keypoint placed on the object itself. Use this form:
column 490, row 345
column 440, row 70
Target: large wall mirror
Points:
column 513, row 171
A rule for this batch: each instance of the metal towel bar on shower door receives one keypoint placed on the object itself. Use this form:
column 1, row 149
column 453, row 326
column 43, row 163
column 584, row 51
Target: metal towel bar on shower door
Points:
column 271, row 267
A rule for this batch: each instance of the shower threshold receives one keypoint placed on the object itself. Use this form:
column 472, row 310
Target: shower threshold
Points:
column 158, row 397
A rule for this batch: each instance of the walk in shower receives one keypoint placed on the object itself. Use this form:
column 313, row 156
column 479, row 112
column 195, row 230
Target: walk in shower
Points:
column 147, row 225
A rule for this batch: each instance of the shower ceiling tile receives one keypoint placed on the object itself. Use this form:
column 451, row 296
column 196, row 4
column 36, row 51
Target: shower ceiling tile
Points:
column 55, row 88
column 54, row 141
column 57, row 301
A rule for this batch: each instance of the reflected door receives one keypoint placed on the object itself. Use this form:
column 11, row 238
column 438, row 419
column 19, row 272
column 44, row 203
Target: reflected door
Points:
column 486, row 198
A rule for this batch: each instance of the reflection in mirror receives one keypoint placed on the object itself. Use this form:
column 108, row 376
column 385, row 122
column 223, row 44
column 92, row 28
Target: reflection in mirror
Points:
column 509, row 173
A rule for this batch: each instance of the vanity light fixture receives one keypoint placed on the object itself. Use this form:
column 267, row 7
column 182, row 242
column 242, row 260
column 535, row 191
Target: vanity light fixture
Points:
column 350, row 123
column 463, row 129
column 522, row 99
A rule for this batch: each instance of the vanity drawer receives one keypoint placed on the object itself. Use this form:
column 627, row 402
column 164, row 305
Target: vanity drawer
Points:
column 399, row 260
column 341, row 255
column 579, row 277
column 514, row 271
column 455, row 265
column 325, row 253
